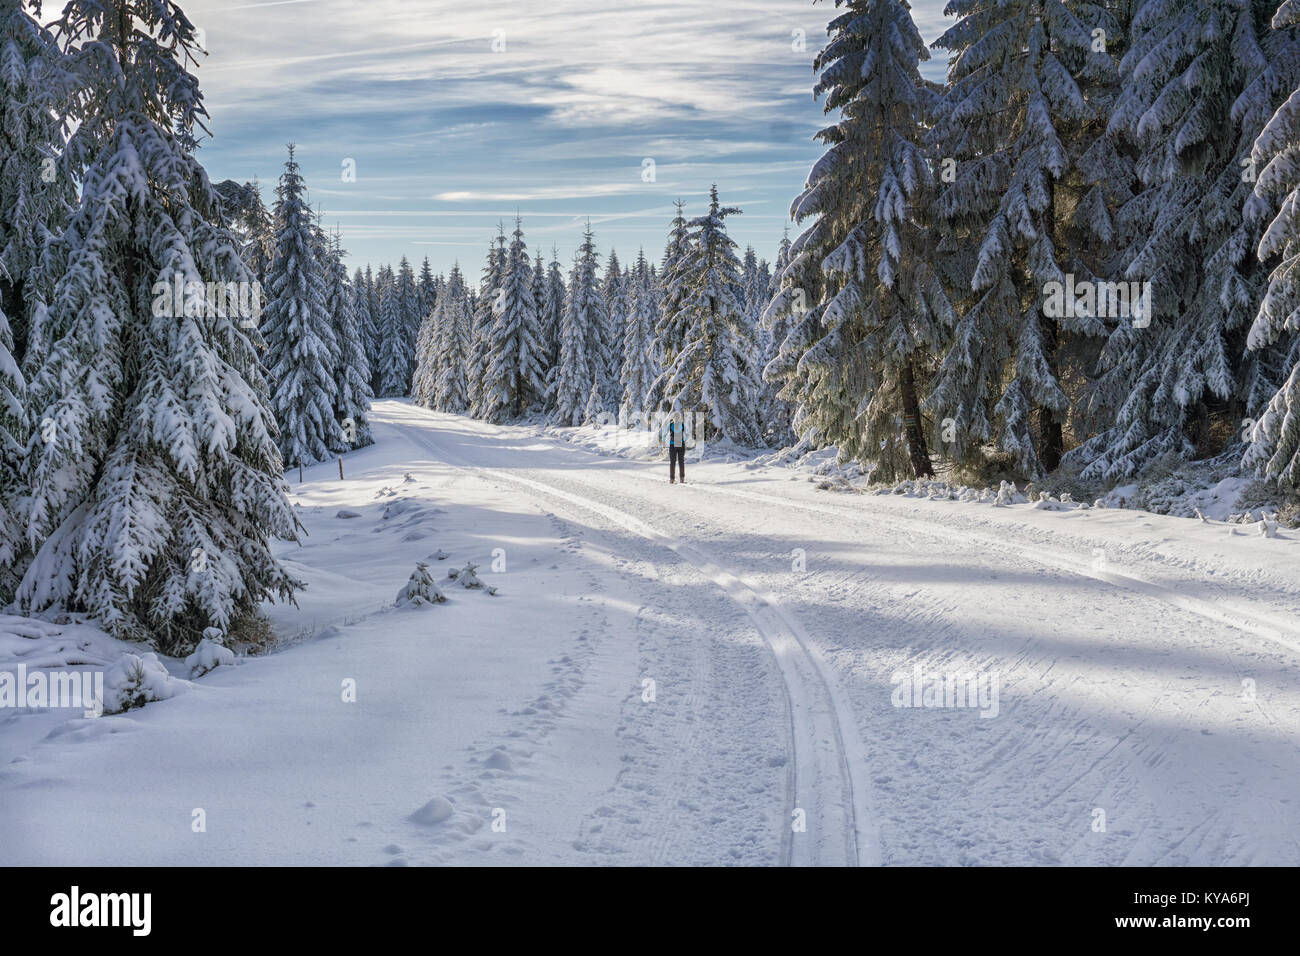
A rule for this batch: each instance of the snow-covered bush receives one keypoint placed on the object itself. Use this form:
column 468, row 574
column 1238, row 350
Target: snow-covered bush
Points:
column 209, row 655
column 1008, row 495
column 134, row 681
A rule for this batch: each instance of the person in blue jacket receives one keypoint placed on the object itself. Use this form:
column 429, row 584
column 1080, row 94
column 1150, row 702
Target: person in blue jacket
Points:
column 674, row 433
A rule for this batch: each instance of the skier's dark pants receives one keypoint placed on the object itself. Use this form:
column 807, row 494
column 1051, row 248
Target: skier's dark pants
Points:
column 676, row 462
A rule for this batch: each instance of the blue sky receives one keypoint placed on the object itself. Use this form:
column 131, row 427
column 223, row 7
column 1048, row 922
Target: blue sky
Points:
column 455, row 115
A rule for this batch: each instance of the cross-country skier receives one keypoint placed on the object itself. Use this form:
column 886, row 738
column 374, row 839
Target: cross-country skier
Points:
column 674, row 433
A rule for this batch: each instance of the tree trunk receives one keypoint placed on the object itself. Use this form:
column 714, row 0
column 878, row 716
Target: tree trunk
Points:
column 1051, row 440
column 1051, row 434
column 916, row 449
column 1197, row 428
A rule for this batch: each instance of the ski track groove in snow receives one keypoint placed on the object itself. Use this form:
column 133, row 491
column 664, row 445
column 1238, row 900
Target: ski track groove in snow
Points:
column 830, row 782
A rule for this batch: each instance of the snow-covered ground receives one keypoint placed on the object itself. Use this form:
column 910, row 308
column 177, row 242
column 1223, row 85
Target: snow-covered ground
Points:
column 709, row 673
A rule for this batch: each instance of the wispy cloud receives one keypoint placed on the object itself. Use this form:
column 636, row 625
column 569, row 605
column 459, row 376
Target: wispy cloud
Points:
column 441, row 107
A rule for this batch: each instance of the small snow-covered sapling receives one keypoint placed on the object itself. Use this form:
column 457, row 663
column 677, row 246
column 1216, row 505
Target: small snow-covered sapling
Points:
column 420, row 589
column 467, row 578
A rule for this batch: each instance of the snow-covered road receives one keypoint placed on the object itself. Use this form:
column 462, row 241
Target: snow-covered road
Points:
column 707, row 673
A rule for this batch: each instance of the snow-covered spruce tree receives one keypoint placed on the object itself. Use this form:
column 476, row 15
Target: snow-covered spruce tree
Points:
column 377, row 290
column 301, row 349
column 876, row 311
column 398, row 328
column 756, row 281
column 1274, row 447
column 640, row 352
column 351, row 373
column 774, row 326
column 713, row 372
column 748, row 281
column 424, row 383
column 613, row 290
column 446, row 381
column 366, row 320
column 600, row 348
column 483, row 323
column 425, row 290
column 408, row 296
column 539, row 297
column 157, row 493
column 370, row 326
column 758, row 292
column 1007, row 129
column 573, row 368
column 1198, row 86
column 671, row 334
column 394, row 349
column 545, row 333
column 453, row 319
column 515, row 377
column 582, row 331
column 425, row 379
column 551, row 306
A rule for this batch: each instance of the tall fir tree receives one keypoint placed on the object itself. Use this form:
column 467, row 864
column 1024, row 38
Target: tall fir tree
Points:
column 545, row 345
column 400, row 361
column 366, row 330
column 671, row 333
column 582, row 331
column 876, row 312
column 302, row 352
column 351, row 373
column 713, row 371
column 424, row 382
column 453, row 318
column 749, row 283
column 776, row 365
column 157, row 487
column 551, row 306
column 484, row 323
column 394, row 349
column 425, row 290
column 1005, row 128
column 515, row 377
column 640, row 351
column 371, row 339
column 613, row 290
